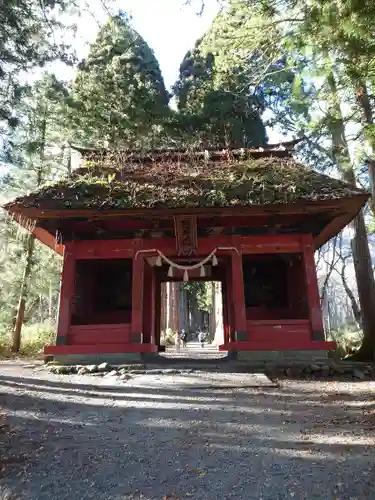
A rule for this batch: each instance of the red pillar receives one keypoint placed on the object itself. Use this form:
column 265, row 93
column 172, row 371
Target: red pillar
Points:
column 66, row 295
column 137, row 298
column 238, row 298
column 153, row 306
column 229, row 301
column 315, row 313
column 149, row 298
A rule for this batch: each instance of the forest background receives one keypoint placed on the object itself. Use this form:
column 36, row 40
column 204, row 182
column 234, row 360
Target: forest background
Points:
column 259, row 72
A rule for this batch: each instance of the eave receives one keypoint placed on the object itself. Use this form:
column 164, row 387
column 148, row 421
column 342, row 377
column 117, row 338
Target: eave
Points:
column 340, row 211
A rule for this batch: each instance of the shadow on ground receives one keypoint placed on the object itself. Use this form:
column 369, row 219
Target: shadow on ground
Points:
column 64, row 440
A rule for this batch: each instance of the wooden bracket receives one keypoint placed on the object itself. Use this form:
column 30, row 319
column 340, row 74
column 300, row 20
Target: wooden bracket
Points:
column 186, row 234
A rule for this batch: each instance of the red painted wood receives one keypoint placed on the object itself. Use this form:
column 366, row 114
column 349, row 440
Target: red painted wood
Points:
column 121, row 224
column 238, row 293
column 99, row 334
column 158, row 311
column 273, row 336
column 66, row 291
column 148, row 224
column 293, row 331
column 270, row 244
column 98, row 349
column 226, row 306
column 315, row 312
column 107, row 249
column 92, row 249
column 283, row 345
column 147, row 303
column 49, row 240
column 110, row 318
column 82, row 328
column 246, row 220
column 138, row 293
column 296, row 286
column 266, row 322
column 153, row 307
column 263, row 313
column 229, row 324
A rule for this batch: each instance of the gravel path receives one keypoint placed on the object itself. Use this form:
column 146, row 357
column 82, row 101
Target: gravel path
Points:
column 69, row 438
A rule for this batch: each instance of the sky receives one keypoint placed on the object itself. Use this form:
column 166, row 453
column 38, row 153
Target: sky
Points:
column 169, row 27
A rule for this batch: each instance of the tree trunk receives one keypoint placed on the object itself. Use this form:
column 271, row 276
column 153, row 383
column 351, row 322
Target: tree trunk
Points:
column 368, row 119
column 366, row 288
column 194, row 314
column 330, row 268
column 50, row 296
column 174, row 307
column 211, row 314
column 184, row 309
column 353, row 302
column 362, row 257
column 167, row 305
column 16, row 340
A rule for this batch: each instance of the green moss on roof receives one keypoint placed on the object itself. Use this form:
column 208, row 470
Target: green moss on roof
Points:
column 189, row 185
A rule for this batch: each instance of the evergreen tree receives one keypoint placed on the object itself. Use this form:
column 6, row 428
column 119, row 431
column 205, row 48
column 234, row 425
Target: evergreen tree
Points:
column 26, row 41
column 40, row 158
column 328, row 35
column 119, row 95
column 242, row 69
column 224, row 109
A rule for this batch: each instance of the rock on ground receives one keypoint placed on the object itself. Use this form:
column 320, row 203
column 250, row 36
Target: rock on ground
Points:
column 64, row 438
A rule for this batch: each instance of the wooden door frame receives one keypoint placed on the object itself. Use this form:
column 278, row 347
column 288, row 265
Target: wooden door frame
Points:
column 225, row 299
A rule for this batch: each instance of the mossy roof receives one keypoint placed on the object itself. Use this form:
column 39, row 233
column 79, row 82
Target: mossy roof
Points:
column 187, row 184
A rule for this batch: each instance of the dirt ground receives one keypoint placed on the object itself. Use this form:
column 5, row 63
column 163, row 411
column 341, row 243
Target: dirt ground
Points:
column 73, row 437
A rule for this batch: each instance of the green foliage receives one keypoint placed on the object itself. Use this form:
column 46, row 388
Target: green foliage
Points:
column 34, row 337
column 241, row 70
column 43, row 286
column 38, row 156
column 168, row 338
column 348, row 339
column 119, row 95
column 218, row 101
column 202, row 291
column 28, row 32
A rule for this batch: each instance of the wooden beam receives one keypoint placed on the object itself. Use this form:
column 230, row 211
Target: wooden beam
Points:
column 66, row 295
column 266, row 244
column 48, row 240
column 125, row 249
column 333, row 228
column 315, row 312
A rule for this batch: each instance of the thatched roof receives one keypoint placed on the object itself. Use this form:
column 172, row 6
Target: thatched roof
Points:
column 187, row 181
